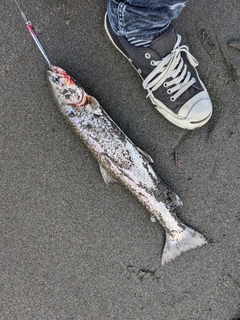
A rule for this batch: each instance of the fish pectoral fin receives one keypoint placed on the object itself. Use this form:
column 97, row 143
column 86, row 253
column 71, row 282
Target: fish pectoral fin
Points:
column 145, row 155
column 107, row 177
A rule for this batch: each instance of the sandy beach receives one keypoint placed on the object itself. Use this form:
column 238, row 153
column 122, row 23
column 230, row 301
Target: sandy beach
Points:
column 73, row 248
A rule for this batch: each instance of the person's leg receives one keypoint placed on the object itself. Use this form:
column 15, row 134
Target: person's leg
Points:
column 142, row 32
column 142, row 20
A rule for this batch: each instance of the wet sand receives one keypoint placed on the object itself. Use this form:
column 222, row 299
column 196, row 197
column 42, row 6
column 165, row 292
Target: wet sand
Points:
column 74, row 248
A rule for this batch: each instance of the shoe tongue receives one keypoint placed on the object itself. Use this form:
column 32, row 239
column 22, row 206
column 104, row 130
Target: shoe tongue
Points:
column 164, row 43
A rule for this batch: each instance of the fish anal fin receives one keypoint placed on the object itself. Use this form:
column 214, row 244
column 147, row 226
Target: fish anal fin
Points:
column 107, row 176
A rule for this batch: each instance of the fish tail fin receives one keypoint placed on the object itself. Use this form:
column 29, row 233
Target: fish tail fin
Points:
column 188, row 239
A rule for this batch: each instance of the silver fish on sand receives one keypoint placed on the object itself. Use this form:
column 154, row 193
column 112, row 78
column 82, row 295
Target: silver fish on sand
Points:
column 121, row 160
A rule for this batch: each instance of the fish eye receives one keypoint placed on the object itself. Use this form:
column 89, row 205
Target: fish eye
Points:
column 55, row 79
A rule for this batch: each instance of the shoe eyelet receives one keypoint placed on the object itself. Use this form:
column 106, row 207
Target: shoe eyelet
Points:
column 169, row 91
column 152, row 63
column 165, row 84
column 172, row 99
column 147, row 55
column 139, row 71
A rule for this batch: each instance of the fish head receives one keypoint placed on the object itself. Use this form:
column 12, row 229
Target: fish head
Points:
column 65, row 90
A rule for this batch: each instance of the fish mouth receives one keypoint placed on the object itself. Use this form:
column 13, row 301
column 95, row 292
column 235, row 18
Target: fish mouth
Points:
column 51, row 74
column 53, row 77
column 56, row 72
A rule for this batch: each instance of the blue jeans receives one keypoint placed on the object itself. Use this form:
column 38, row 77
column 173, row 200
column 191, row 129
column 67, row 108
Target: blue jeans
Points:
column 142, row 19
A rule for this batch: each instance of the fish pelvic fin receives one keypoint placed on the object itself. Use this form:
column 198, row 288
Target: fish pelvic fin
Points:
column 188, row 239
column 107, row 177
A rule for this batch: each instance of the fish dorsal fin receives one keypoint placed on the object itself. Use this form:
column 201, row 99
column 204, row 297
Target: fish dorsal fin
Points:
column 145, row 155
column 107, row 177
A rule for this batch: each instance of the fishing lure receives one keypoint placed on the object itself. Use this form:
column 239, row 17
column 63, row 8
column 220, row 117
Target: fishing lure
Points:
column 33, row 34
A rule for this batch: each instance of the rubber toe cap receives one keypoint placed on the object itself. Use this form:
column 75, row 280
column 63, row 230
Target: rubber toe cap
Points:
column 197, row 110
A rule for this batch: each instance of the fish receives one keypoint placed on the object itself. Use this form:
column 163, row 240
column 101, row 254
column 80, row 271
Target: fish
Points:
column 121, row 160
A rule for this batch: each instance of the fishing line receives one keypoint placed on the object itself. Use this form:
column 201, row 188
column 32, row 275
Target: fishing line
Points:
column 35, row 38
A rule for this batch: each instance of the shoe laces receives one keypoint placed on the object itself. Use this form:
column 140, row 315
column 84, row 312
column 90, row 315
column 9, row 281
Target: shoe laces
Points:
column 172, row 66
